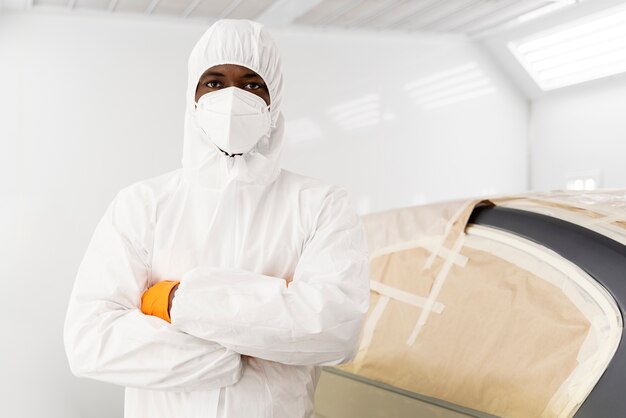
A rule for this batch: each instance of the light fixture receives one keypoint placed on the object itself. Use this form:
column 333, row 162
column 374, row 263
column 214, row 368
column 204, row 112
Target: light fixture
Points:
column 584, row 50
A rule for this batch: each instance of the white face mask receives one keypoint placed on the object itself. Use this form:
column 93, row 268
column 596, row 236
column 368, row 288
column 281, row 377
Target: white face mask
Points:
column 234, row 119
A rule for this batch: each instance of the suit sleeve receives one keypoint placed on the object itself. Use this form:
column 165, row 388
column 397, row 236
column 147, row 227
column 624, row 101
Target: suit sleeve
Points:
column 108, row 338
column 316, row 320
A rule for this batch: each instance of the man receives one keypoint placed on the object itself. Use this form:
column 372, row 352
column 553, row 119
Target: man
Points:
column 265, row 271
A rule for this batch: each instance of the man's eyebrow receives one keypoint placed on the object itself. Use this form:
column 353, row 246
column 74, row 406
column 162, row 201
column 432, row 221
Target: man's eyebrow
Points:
column 213, row 74
column 250, row 75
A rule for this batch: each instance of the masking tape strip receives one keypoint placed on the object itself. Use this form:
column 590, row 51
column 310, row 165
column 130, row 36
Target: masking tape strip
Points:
column 603, row 220
column 434, row 253
column 370, row 327
column 453, row 257
column 606, row 210
column 446, row 232
column 406, row 297
column 434, row 292
column 428, row 244
column 564, row 204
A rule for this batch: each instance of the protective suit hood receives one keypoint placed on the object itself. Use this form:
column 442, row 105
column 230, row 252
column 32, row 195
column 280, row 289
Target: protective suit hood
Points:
column 245, row 43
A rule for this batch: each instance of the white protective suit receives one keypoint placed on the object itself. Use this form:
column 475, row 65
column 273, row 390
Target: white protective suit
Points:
column 234, row 230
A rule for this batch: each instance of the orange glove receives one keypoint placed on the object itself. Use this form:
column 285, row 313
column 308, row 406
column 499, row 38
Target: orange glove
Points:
column 156, row 300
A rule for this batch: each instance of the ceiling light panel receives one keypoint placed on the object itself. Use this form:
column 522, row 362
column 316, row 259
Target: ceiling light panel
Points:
column 587, row 49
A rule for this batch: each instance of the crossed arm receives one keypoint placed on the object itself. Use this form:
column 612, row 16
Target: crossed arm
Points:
column 217, row 315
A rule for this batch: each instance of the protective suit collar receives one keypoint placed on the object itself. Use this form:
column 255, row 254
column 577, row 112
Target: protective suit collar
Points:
column 245, row 43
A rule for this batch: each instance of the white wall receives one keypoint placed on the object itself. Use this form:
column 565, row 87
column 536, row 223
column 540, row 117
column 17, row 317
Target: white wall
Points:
column 580, row 132
column 91, row 103
column 465, row 149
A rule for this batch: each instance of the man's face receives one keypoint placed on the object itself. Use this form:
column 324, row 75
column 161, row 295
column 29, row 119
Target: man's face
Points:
column 230, row 75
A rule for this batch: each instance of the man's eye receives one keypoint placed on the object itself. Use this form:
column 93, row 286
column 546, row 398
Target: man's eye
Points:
column 252, row 86
column 213, row 84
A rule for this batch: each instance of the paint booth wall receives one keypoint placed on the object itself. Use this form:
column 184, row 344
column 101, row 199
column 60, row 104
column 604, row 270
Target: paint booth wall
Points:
column 92, row 103
column 580, row 134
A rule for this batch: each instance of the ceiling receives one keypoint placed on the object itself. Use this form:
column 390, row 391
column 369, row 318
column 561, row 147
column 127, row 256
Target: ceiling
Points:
column 494, row 24
column 471, row 17
column 459, row 16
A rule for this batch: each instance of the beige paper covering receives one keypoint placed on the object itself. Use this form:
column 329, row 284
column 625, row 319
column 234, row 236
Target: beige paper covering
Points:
column 507, row 339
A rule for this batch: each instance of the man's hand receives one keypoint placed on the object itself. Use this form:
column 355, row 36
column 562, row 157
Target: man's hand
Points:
column 157, row 300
